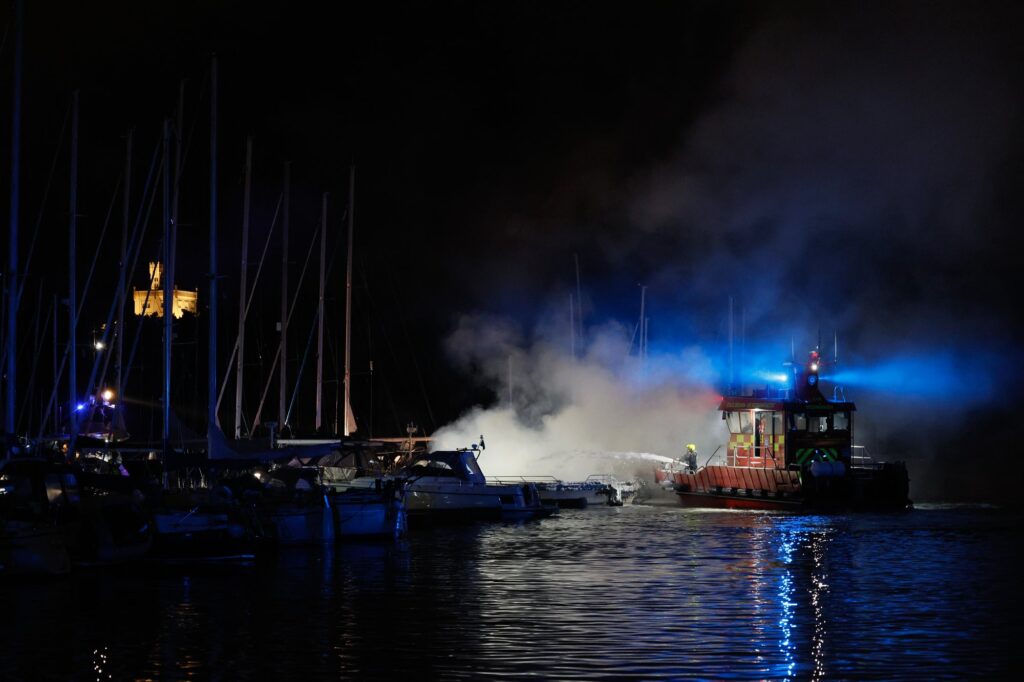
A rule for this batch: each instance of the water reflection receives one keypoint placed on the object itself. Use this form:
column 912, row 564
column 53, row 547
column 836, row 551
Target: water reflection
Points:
column 786, row 605
column 633, row 592
column 803, row 551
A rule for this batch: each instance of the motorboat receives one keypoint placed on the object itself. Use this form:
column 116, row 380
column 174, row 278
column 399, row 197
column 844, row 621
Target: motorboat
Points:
column 597, row 490
column 449, row 485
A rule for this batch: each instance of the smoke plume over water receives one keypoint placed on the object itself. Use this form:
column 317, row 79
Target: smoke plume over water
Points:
column 857, row 173
column 565, row 417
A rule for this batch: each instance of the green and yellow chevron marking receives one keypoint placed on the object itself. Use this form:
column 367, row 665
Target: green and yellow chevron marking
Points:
column 825, row 454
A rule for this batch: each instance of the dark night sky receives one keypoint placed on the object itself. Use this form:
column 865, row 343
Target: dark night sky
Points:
column 853, row 167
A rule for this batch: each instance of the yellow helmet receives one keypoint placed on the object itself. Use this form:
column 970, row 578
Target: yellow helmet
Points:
column 690, row 447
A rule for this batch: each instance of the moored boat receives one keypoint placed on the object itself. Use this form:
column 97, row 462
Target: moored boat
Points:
column 202, row 524
column 292, row 509
column 377, row 511
column 597, row 490
column 39, row 516
column 448, row 485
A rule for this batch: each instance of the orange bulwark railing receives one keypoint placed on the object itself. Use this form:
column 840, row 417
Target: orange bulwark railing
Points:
column 717, row 478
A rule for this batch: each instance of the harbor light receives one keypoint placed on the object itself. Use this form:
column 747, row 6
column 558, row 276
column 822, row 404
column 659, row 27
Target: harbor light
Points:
column 107, row 395
column 99, row 345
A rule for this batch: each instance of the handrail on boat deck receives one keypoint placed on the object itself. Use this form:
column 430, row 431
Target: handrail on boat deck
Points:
column 513, row 480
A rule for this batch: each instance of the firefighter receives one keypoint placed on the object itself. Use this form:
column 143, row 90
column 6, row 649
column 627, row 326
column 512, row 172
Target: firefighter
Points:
column 690, row 458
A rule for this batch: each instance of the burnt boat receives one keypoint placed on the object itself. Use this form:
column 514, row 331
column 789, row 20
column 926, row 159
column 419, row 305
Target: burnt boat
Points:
column 792, row 449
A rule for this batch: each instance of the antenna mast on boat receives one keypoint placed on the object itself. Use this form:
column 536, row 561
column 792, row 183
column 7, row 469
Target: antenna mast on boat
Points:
column 348, row 298
column 282, row 406
column 579, row 303
column 14, row 291
column 239, row 374
column 320, row 315
column 743, row 348
column 211, row 368
column 731, row 374
column 643, row 325
column 572, row 328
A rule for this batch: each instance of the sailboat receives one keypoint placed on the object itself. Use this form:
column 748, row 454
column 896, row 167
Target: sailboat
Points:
column 296, row 503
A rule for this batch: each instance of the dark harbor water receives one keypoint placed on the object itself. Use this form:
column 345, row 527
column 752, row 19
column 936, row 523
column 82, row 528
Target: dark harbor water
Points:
column 637, row 592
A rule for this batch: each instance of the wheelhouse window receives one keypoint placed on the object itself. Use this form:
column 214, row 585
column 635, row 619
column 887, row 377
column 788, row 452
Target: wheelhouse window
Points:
column 432, row 467
column 841, row 421
column 746, row 422
column 819, row 424
column 798, row 421
column 473, row 467
column 732, row 420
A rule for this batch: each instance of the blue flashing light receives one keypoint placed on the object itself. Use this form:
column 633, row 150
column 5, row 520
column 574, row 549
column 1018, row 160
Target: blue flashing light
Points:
column 80, row 407
column 961, row 378
column 812, row 379
column 771, row 377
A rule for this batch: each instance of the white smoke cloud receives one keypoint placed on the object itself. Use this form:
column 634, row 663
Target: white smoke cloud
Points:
column 606, row 412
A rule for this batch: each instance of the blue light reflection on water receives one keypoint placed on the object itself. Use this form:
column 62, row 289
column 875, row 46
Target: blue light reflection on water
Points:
column 635, row 592
column 786, row 605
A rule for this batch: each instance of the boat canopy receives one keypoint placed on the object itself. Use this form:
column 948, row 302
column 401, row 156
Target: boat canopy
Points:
column 460, row 464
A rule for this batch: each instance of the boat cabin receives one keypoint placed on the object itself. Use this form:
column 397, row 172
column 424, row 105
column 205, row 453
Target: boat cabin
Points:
column 457, row 464
column 787, row 428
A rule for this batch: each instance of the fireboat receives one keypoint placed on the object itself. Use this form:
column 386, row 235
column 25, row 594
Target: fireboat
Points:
column 792, row 449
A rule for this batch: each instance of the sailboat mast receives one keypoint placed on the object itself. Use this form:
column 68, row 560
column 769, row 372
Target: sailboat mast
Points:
column 123, row 290
column 211, row 367
column 14, row 292
column 178, row 137
column 348, row 298
column 282, row 405
column 56, row 413
column 168, row 298
column 72, row 274
column 239, row 375
column 320, row 315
